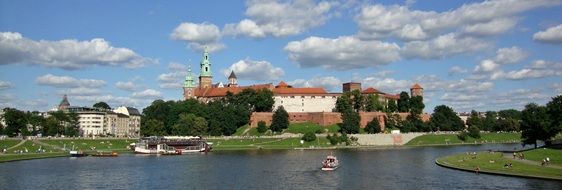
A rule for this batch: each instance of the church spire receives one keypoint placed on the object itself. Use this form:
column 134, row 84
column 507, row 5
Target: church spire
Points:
column 188, row 83
column 206, row 64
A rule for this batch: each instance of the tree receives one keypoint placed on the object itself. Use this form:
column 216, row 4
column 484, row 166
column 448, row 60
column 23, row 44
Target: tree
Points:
column 535, row 124
column 373, row 126
column 16, row 122
column 490, row 121
column 510, row 113
column 554, row 110
column 102, row 105
column 52, row 127
column 280, row 120
column 152, row 127
column 262, row 128
column 263, row 102
column 373, row 104
column 392, row 121
column 474, row 119
column 309, row 136
column 36, row 122
column 445, row 119
column 350, row 122
column 508, row 124
column 343, row 103
column 404, row 102
column 357, row 100
column 416, row 105
column 392, row 107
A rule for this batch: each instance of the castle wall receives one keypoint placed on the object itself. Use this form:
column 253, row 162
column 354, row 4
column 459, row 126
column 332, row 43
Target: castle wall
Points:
column 306, row 103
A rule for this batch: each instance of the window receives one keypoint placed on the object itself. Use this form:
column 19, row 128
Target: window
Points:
column 281, row 101
column 323, row 96
column 303, row 104
column 313, row 97
column 206, row 69
column 302, row 96
column 292, row 96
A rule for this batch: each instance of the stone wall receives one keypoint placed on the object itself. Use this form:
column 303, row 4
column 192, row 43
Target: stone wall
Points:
column 327, row 118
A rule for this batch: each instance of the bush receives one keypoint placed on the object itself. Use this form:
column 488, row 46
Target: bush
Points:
column 309, row 137
column 261, row 127
column 334, row 140
column 462, row 136
column 373, row 126
column 474, row 132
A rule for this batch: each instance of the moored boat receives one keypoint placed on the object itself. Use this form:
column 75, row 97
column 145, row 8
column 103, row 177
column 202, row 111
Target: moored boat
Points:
column 106, row 154
column 330, row 163
column 75, row 153
column 171, row 145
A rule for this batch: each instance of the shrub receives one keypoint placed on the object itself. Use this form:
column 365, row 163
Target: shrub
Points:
column 261, row 127
column 474, row 132
column 309, row 137
column 462, row 136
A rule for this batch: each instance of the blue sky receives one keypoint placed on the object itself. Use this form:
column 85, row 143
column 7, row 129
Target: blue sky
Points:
column 482, row 55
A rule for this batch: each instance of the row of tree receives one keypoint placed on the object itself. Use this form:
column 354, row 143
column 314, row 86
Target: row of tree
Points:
column 32, row 123
column 221, row 116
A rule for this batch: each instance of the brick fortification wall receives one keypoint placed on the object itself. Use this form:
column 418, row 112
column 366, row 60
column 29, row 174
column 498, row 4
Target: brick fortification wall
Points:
column 326, row 118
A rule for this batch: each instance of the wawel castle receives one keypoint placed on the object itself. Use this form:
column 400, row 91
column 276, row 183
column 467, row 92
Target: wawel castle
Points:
column 303, row 104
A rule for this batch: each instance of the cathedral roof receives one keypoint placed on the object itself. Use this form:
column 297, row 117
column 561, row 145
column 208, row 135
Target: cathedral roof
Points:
column 282, row 85
column 64, row 101
column 371, row 90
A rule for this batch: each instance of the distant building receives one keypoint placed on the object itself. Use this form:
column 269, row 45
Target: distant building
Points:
column 121, row 122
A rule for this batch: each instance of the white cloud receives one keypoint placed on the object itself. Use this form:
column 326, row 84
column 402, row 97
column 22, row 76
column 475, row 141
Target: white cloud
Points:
column 280, row 19
column 128, row 86
column 486, row 66
column 443, row 46
column 5, row 85
column 550, row 35
column 66, row 54
column 343, row 53
column 538, row 69
column 478, row 19
column 81, row 91
column 493, row 27
column 68, row 82
column 329, row 83
column 557, row 87
column 254, row 70
column 174, row 78
column 388, row 85
column 457, row 70
column 510, row 55
column 199, row 36
column 148, row 93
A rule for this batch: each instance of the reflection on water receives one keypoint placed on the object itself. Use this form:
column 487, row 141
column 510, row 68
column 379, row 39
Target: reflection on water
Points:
column 400, row 168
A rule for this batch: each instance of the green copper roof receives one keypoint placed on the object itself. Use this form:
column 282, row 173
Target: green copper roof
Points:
column 189, row 79
column 206, row 65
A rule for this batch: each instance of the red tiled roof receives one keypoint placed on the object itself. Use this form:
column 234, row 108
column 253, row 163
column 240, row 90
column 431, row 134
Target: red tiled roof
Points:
column 282, row 85
column 371, row 90
column 416, row 86
column 392, row 96
column 220, row 92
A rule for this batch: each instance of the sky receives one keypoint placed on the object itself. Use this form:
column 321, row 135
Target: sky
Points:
column 469, row 55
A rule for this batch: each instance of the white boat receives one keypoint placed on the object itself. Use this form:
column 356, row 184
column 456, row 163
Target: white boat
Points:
column 171, row 145
column 75, row 153
column 330, row 163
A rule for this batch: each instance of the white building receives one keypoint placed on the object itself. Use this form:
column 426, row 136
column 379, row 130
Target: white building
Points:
column 91, row 123
column 134, row 120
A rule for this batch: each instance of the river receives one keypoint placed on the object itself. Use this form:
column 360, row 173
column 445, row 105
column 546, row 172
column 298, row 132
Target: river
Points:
column 393, row 168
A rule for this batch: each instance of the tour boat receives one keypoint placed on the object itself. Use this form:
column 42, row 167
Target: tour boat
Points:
column 75, row 153
column 330, row 163
column 171, row 145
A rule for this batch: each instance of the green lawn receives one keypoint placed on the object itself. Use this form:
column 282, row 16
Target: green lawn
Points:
column 240, row 131
column 555, row 155
column 303, row 128
column 494, row 162
column 441, row 139
column 269, row 143
column 33, row 147
column 88, row 144
column 7, row 143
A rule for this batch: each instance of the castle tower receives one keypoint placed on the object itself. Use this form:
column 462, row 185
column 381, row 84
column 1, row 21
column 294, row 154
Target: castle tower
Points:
column 206, row 77
column 416, row 90
column 188, row 85
column 64, row 104
column 232, row 81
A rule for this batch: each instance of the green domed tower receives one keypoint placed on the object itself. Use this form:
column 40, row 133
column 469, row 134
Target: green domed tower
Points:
column 188, row 85
column 206, row 77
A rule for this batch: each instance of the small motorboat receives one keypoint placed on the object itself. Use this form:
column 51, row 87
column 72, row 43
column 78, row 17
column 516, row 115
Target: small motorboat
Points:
column 105, row 154
column 75, row 153
column 330, row 163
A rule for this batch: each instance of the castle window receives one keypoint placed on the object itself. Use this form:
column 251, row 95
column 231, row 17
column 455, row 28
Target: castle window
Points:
column 303, row 104
column 323, row 96
column 292, row 96
column 313, row 97
column 302, row 96
column 206, row 68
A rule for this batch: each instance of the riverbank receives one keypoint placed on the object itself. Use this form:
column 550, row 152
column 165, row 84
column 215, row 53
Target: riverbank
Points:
column 17, row 149
column 452, row 139
column 498, row 164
